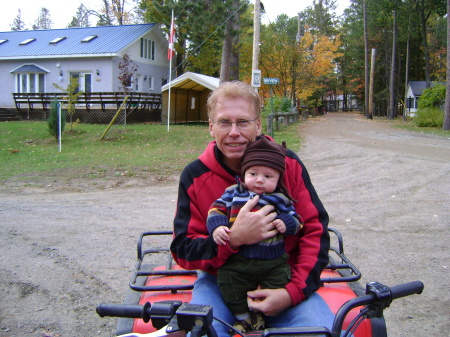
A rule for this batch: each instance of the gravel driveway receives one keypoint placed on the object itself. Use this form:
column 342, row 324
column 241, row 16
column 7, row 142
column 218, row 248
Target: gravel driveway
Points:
column 65, row 250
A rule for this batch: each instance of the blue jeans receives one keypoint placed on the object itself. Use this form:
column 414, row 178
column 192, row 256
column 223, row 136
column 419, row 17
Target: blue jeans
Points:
column 313, row 312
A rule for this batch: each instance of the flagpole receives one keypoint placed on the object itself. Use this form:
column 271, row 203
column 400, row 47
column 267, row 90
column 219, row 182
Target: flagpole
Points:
column 171, row 37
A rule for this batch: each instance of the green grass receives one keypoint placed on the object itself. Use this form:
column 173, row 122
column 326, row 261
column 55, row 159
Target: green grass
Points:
column 27, row 147
column 410, row 125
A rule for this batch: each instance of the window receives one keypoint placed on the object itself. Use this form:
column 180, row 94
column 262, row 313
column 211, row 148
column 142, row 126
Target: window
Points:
column 150, row 83
column 27, row 41
column 57, row 40
column 84, row 81
column 89, row 38
column 30, row 82
column 147, row 49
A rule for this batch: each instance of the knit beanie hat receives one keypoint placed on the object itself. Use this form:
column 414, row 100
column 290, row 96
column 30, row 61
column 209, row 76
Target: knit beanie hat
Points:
column 263, row 152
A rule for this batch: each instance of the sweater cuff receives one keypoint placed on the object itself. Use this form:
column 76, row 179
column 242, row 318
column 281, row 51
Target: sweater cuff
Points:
column 291, row 225
column 216, row 221
column 225, row 251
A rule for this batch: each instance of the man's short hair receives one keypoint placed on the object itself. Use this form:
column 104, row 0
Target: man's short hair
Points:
column 234, row 89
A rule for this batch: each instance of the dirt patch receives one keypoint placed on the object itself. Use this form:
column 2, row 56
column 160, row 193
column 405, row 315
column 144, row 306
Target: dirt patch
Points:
column 68, row 243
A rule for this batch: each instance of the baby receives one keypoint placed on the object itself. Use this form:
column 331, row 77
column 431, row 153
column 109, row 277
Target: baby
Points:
column 264, row 263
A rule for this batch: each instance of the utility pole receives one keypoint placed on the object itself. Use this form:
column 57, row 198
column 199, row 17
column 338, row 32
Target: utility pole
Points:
column 256, row 73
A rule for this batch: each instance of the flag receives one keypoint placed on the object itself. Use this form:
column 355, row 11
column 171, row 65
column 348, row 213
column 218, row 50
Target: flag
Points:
column 171, row 50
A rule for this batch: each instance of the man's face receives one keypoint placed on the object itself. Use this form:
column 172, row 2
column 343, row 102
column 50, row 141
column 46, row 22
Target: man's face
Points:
column 232, row 139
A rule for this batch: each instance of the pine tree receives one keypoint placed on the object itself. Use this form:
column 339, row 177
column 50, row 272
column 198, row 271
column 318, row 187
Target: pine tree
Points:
column 43, row 21
column 18, row 24
column 81, row 18
column 53, row 119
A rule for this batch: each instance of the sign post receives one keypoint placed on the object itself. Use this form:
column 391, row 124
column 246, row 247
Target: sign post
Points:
column 271, row 81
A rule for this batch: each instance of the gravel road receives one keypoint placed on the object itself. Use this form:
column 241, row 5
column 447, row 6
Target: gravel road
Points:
column 66, row 246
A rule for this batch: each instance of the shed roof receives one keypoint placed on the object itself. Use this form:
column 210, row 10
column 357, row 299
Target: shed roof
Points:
column 193, row 81
column 88, row 41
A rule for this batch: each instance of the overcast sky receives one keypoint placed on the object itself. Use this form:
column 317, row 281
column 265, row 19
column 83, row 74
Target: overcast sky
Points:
column 61, row 12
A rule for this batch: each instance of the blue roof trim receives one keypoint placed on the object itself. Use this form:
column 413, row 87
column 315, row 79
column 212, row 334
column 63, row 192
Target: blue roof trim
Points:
column 110, row 40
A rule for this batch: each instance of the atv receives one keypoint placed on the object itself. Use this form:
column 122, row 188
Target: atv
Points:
column 157, row 303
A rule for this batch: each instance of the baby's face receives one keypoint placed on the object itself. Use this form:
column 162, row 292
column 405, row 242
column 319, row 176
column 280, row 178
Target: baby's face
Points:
column 261, row 179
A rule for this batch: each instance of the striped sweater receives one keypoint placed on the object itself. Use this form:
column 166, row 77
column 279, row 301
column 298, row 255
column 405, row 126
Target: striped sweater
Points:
column 223, row 212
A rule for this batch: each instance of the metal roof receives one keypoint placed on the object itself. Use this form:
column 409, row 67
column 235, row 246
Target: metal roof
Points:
column 193, row 81
column 417, row 87
column 106, row 41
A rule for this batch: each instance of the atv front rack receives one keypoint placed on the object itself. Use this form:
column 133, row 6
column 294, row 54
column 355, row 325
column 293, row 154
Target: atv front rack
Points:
column 346, row 271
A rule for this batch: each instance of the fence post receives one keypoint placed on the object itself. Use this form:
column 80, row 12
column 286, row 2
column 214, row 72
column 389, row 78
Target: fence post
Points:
column 269, row 121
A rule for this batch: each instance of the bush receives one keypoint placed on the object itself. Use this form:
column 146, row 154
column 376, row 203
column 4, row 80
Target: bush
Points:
column 53, row 120
column 432, row 97
column 280, row 104
column 430, row 116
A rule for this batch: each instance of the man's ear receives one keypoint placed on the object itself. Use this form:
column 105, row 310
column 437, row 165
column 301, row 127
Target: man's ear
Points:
column 211, row 131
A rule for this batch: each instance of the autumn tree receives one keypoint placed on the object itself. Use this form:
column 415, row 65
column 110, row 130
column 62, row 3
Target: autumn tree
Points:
column 127, row 71
column 18, row 23
column 43, row 21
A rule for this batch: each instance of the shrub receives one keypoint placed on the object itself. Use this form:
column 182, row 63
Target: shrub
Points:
column 429, row 116
column 432, row 97
column 53, row 120
column 280, row 104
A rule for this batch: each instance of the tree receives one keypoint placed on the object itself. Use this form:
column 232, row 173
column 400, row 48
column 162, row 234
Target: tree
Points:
column 43, row 21
column 53, row 119
column 18, row 23
column 425, row 8
column 127, row 69
column 392, row 101
column 72, row 97
column 81, row 18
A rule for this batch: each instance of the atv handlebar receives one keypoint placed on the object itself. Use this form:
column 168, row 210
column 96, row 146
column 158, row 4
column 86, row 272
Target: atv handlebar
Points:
column 183, row 316
column 378, row 297
column 406, row 289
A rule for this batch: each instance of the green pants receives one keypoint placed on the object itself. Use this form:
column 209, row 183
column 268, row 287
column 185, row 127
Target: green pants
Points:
column 240, row 275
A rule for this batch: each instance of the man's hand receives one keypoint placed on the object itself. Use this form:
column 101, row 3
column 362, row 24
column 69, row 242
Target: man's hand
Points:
column 252, row 227
column 271, row 302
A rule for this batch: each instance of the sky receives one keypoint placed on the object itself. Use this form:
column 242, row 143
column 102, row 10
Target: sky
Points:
column 62, row 11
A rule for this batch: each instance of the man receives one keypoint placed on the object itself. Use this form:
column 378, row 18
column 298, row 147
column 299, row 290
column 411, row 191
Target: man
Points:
column 234, row 111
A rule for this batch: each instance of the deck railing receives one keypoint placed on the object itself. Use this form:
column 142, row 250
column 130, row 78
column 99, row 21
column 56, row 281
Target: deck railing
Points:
column 89, row 100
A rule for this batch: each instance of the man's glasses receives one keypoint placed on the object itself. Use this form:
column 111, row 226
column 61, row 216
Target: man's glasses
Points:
column 241, row 124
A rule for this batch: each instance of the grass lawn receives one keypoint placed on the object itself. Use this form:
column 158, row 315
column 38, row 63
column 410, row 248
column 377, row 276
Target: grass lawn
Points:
column 27, row 147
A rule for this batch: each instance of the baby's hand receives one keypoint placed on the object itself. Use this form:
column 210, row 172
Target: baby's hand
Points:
column 279, row 225
column 220, row 235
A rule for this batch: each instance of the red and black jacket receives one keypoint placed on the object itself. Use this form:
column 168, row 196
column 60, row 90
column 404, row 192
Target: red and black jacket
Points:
column 205, row 179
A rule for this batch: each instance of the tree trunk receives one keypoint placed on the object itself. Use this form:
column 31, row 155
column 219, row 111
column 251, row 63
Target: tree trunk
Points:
column 226, row 55
column 423, row 26
column 392, row 100
column 366, row 64
column 446, row 125
column 405, row 105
